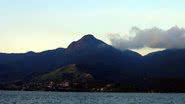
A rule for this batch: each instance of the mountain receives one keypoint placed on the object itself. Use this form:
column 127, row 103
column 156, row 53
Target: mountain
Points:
column 99, row 57
column 169, row 63
column 90, row 62
column 17, row 66
column 30, row 61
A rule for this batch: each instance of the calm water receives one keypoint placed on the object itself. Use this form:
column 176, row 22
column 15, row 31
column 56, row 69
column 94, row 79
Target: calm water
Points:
column 7, row 97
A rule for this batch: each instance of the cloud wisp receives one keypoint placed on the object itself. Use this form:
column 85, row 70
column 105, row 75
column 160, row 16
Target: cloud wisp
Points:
column 153, row 38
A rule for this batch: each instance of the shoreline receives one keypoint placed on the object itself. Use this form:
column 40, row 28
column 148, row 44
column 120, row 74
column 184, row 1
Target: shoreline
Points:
column 178, row 92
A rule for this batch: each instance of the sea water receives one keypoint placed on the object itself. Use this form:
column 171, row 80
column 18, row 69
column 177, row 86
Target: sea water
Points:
column 23, row 97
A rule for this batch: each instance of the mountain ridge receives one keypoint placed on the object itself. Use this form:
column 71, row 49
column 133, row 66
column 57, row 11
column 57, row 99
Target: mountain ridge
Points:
column 103, row 62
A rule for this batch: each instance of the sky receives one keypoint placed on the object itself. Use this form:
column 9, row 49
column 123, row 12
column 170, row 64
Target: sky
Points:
column 37, row 25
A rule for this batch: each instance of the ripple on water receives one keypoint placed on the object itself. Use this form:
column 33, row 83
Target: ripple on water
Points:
column 21, row 97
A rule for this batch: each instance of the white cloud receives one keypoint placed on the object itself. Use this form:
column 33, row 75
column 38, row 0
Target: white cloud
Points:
column 153, row 38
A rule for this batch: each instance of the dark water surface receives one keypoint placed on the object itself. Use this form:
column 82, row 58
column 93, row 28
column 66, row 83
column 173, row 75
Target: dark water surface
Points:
column 21, row 97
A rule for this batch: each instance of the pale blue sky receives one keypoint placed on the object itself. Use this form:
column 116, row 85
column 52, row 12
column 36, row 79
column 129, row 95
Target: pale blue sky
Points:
column 46, row 24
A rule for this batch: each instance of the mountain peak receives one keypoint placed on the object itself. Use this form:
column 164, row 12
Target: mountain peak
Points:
column 86, row 42
column 88, row 37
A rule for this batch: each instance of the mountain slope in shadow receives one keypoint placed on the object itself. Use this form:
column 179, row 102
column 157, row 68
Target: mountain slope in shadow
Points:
column 99, row 57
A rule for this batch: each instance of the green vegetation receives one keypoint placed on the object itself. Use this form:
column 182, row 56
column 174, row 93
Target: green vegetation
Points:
column 69, row 73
